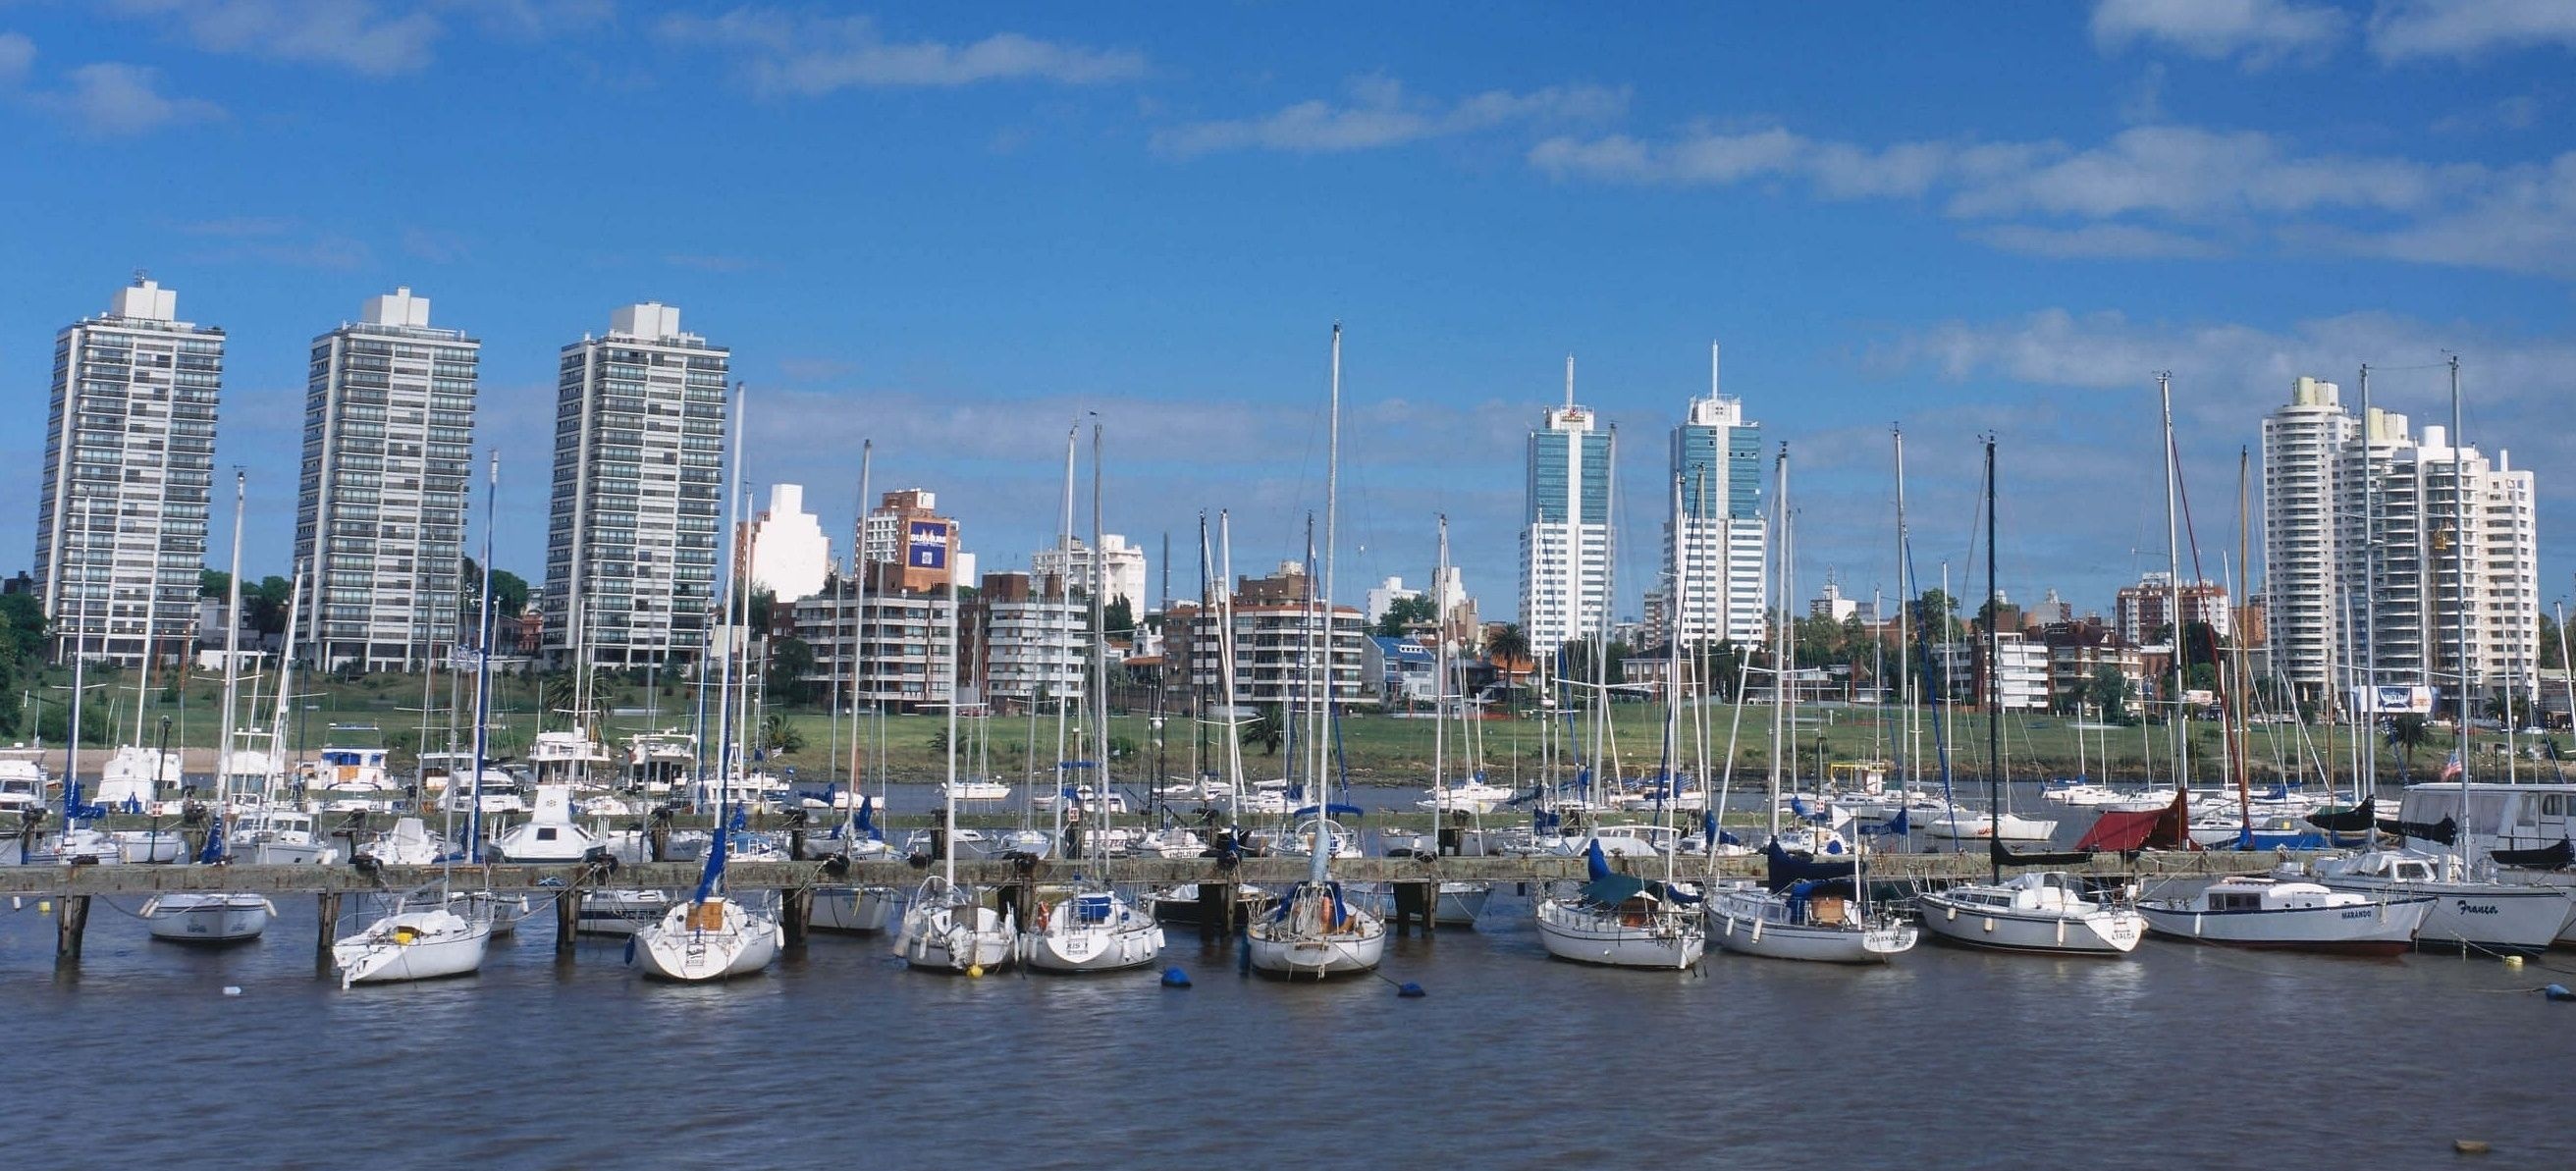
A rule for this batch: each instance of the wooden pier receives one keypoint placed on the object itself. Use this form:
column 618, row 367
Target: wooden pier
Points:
column 70, row 888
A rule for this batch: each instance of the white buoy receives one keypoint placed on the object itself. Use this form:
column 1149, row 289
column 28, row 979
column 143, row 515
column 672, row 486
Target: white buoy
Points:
column 232, row 989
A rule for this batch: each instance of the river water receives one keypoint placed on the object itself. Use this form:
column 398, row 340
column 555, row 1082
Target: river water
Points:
column 2176, row 1056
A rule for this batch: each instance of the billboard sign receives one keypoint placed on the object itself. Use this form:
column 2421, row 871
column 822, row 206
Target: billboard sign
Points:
column 2393, row 701
column 927, row 546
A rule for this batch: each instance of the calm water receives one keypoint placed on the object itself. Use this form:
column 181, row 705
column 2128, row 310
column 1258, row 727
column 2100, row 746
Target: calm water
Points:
column 2177, row 1056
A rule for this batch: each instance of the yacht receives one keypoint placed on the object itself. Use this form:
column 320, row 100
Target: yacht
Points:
column 2470, row 912
column 2291, row 914
column 548, row 836
column 1623, row 922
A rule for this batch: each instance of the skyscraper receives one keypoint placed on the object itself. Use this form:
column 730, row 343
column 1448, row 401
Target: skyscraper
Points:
column 1725, row 539
column 380, row 514
column 631, row 538
column 2391, row 557
column 1565, row 539
column 129, row 456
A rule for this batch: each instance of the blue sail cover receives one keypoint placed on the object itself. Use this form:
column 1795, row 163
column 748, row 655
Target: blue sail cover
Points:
column 1787, row 869
column 214, row 848
column 1594, row 865
column 865, row 822
column 1895, row 826
column 1332, row 810
column 713, row 877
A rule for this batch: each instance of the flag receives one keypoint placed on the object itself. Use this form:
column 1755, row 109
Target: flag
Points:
column 2451, row 767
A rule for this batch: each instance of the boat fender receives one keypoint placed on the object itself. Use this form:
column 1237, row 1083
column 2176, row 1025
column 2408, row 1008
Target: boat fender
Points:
column 2061, row 932
column 2558, row 992
column 1410, row 991
column 1953, row 914
column 630, row 951
column 1044, row 913
column 1990, row 924
column 1175, row 978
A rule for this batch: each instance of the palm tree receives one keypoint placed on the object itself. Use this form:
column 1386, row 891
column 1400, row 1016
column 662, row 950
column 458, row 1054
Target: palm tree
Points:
column 1509, row 645
column 1264, row 730
column 2406, row 733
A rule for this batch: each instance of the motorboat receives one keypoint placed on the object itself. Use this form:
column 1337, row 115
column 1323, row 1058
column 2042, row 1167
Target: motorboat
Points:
column 1179, row 906
column 23, row 785
column 550, row 835
column 1458, row 903
column 1968, row 825
column 280, row 837
column 409, row 843
column 975, row 790
column 134, row 774
column 623, row 912
column 422, row 943
column 1467, row 796
column 2469, row 913
column 150, row 846
column 2291, row 914
column 2042, row 911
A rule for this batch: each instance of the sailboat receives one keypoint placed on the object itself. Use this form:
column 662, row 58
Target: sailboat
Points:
column 1179, row 904
column 857, row 909
column 2042, row 911
column 1315, row 931
column 712, row 936
column 216, row 916
column 1800, row 913
column 947, row 927
column 1091, row 927
column 424, row 936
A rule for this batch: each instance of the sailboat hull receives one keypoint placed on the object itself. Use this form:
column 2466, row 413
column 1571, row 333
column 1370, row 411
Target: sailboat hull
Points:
column 1752, row 923
column 858, row 910
column 412, row 945
column 2475, row 916
column 1571, row 931
column 714, row 940
column 2096, row 932
column 207, row 918
column 2384, row 926
column 939, row 937
column 1093, row 949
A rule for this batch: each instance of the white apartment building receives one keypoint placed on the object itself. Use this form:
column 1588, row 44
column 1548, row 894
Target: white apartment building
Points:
column 1565, row 538
column 631, row 539
column 1274, row 652
column 1070, row 558
column 2417, row 568
column 1035, row 640
column 1725, row 539
column 2023, row 673
column 901, row 658
column 380, row 514
column 2303, row 445
column 121, row 507
column 786, row 550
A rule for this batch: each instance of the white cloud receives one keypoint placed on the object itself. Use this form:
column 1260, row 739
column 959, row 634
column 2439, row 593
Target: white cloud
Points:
column 358, row 35
column 2228, row 366
column 110, row 99
column 2402, row 30
column 16, row 54
column 2095, row 241
column 2170, row 191
column 1380, row 114
column 815, row 55
column 2259, row 31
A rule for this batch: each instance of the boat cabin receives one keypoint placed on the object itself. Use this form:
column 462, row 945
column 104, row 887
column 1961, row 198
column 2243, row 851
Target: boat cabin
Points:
column 2500, row 817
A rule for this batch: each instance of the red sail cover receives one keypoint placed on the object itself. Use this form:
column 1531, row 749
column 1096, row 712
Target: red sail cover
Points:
column 2151, row 829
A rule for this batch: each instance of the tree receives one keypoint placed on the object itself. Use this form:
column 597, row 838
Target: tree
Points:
column 1118, row 617
column 1265, row 730
column 509, row 594
column 1508, row 645
column 1406, row 613
column 214, row 583
column 264, row 605
column 2110, row 691
column 784, row 739
column 2406, row 733
column 790, row 659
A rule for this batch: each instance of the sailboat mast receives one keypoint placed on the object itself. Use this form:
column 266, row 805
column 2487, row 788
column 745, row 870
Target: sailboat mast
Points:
column 1064, row 599
column 2460, row 580
column 859, row 618
column 1439, row 677
column 482, row 671
column 1781, row 643
column 1099, row 658
column 232, row 653
column 2173, row 587
column 2365, row 654
column 1904, row 624
column 1994, row 682
column 1671, row 780
column 1324, row 603
column 1225, row 665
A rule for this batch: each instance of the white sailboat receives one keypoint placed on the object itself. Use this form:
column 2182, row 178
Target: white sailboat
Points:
column 1799, row 913
column 213, row 916
column 947, row 928
column 1092, row 927
column 413, row 942
column 1315, row 931
column 2038, row 912
column 713, row 936
column 2284, row 913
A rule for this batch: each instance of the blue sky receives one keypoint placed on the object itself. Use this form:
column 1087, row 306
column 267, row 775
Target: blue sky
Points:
column 957, row 229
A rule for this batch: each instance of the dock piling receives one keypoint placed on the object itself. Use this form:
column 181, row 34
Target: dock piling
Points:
column 70, row 922
column 326, row 931
column 795, row 915
column 567, row 922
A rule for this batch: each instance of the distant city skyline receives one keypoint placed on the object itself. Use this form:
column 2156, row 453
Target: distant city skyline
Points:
column 959, row 232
